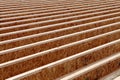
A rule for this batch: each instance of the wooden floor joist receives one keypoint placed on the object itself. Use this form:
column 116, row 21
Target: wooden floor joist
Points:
column 59, row 39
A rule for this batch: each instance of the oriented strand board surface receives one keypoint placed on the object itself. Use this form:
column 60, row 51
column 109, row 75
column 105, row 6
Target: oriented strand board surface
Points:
column 53, row 39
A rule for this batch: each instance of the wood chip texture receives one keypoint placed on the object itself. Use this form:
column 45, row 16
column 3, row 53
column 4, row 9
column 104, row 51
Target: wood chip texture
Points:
column 55, row 39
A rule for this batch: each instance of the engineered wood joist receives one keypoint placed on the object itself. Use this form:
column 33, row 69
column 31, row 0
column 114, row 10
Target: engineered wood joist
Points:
column 59, row 39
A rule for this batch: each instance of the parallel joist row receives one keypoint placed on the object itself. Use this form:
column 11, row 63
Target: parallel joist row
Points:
column 63, row 40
